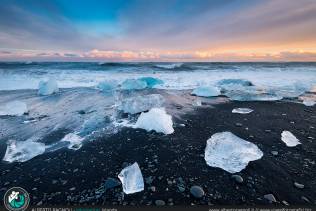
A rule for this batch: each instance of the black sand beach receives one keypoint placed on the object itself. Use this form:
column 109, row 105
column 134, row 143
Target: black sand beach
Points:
column 171, row 164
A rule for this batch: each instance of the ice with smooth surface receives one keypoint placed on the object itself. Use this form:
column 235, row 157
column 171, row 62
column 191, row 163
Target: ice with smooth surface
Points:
column 106, row 86
column 151, row 82
column 204, row 91
column 139, row 104
column 242, row 110
column 156, row 119
column 130, row 84
column 289, row 139
column 251, row 94
column 75, row 141
column 47, row 87
column 21, row 151
column 14, row 108
column 132, row 179
column 229, row 152
column 309, row 102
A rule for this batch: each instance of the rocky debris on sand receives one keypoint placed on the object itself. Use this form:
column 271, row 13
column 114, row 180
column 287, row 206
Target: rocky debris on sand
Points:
column 197, row 191
column 298, row 185
column 111, row 183
column 237, row 178
column 275, row 153
column 160, row 203
column 270, row 197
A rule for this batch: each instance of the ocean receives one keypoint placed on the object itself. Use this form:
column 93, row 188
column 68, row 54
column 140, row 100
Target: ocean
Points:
column 179, row 76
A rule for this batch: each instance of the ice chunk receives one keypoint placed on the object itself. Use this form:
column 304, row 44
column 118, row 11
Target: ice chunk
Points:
column 14, row 108
column 47, row 87
column 309, row 102
column 242, row 110
column 95, row 122
column 156, row 119
column 106, row 86
column 21, row 151
column 197, row 102
column 251, row 94
column 139, row 104
column 151, row 82
column 229, row 152
column 132, row 179
column 289, row 139
column 130, row 84
column 75, row 141
column 204, row 91
column 241, row 82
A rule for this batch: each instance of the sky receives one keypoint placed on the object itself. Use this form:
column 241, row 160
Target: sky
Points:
column 157, row 30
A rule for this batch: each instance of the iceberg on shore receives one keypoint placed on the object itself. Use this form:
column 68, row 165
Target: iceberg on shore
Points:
column 106, row 86
column 75, row 141
column 14, row 108
column 309, row 102
column 130, row 84
column 47, row 87
column 233, row 84
column 21, row 151
column 229, row 152
column 151, row 82
column 132, row 179
column 251, row 94
column 289, row 139
column 242, row 110
column 139, row 104
column 205, row 91
column 156, row 119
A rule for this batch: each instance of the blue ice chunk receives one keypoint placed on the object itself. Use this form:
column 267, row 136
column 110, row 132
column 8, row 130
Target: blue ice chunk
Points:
column 151, row 82
column 205, row 91
column 130, row 84
column 106, row 86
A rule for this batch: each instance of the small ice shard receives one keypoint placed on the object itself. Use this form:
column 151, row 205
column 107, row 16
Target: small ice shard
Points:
column 229, row 152
column 156, row 119
column 106, row 86
column 289, row 139
column 309, row 102
column 197, row 102
column 242, row 110
column 204, row 91
column 14, row 108
column 47, row 87
column 151, row 82
column 132, row 179
column 21, row 151
column 139, row 104
column 130, row 84
column 75, row 141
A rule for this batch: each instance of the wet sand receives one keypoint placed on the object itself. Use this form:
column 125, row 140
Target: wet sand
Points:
column 176, row 161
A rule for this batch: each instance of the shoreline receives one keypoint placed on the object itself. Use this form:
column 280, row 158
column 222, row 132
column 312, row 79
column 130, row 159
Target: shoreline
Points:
column 77, row 177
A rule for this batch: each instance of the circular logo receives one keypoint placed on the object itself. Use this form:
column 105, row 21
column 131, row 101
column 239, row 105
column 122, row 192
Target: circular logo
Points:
column 16, row 199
